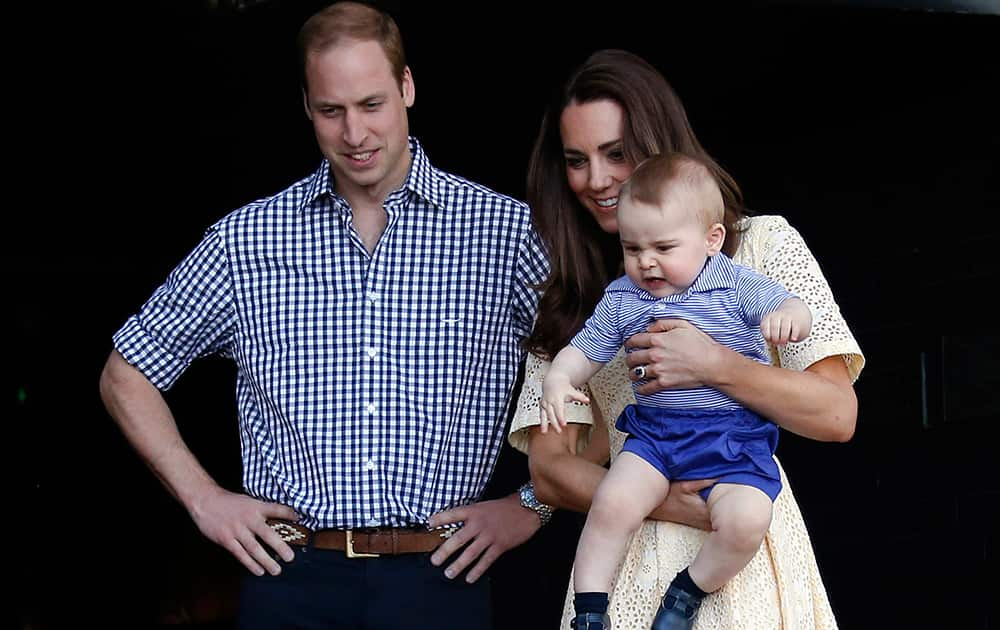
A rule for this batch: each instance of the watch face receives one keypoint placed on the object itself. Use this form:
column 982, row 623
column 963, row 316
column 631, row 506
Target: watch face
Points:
column 527, row 497
column 530, row 501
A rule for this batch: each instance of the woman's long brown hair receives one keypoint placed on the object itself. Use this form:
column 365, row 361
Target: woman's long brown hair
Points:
column 583, row 258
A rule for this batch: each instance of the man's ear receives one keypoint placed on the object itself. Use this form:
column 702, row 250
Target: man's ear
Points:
column 305, row 103
column 408, row 89
column 715, row 238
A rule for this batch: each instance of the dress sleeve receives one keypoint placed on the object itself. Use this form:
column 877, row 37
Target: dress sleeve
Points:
column 526, row 414
column 782, row 254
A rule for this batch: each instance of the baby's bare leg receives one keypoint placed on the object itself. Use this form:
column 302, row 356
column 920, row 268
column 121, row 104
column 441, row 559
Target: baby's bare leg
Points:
column 626, row 496
column 740, row 518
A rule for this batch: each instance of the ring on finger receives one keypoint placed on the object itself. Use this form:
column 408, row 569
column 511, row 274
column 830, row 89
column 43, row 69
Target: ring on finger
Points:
column 640, row 372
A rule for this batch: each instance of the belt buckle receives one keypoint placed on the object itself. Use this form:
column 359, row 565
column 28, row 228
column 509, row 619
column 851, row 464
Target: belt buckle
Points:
column 349, row 547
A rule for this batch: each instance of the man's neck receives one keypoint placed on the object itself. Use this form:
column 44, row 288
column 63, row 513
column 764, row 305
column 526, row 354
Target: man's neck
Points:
column 374, row 195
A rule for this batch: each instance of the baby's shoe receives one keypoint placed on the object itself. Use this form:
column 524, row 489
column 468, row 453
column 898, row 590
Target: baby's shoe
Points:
column 677, row 611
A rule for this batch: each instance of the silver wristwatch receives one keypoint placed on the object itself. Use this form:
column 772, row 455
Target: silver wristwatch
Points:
column 530, row 501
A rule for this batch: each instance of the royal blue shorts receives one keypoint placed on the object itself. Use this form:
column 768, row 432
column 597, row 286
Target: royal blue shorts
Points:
column 734, row 445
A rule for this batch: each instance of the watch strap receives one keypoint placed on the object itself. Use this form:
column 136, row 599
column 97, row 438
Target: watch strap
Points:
column 530, row 501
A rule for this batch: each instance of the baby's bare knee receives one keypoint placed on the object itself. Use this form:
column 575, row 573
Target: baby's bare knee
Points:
column 614, row 510
column 745, row 528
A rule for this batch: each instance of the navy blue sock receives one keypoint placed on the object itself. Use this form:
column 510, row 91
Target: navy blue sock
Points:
column 590, row 602
column 684, row 582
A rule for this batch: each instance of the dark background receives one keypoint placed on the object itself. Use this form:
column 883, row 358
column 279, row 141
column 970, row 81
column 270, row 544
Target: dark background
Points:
column 873, row 127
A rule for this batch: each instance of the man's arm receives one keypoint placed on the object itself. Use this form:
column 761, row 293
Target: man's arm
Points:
column 232, row 520
column 491, row 528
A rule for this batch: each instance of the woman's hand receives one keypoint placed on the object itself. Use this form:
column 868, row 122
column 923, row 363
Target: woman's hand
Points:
column 684, row 505
column 818, row 403
column 675, row 355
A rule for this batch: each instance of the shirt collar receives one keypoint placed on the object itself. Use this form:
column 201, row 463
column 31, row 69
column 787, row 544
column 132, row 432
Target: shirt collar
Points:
column 718, row 273
column 423, row 180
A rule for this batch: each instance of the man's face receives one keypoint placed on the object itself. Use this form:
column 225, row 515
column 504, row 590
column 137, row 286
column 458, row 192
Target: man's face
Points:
column 358, row 110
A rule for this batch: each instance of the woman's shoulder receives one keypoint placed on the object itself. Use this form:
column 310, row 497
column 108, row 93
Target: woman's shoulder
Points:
column 762, row 235
column 760, row 225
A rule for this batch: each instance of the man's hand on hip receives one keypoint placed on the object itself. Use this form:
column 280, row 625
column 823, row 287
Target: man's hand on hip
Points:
column 489, row 529
column 239, row 524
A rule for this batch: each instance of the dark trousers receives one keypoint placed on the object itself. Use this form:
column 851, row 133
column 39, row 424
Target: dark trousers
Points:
column 322, row 590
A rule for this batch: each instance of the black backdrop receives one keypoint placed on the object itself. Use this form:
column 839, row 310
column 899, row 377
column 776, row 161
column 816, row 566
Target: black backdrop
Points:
column 872, row 129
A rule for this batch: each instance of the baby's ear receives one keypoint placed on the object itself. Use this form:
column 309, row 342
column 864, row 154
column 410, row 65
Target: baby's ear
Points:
column 715, row 238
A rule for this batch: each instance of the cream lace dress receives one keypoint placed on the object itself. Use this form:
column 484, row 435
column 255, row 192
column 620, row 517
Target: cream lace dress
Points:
column 781, row 586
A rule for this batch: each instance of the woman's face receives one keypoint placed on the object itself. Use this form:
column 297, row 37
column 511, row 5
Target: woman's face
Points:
column 595, row 160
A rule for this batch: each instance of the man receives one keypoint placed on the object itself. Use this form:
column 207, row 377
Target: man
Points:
column 374, row 311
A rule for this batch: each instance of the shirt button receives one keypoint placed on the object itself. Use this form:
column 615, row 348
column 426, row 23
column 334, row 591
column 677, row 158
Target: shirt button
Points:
column 373, row 522
column 371, row 409
column 370, row 464
column 372, row 297
column 372, row 353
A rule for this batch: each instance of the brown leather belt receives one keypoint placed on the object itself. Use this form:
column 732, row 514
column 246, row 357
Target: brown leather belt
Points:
column 361, row 543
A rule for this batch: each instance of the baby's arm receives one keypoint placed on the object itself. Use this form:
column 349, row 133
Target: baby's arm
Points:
column 569, row 370
column 789, row 322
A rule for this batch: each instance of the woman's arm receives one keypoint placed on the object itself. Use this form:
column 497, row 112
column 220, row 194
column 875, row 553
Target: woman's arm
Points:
column 563, row 477
column 817, row 403
column 812, row 393
column 568, row 479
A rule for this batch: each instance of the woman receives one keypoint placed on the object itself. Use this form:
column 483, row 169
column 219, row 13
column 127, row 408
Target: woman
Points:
column 614, row 111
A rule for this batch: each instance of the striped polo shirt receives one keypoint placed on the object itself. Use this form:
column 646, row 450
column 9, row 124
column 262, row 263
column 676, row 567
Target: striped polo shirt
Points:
column 726, row 301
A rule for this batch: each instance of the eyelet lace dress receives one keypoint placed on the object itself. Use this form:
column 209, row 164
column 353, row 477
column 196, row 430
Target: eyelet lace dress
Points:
column 781, row 587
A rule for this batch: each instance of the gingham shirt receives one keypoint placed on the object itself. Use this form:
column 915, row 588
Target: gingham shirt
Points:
column 726, row 301
column 372, row 389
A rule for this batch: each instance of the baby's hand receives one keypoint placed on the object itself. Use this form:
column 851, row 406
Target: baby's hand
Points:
column 790, row 322
column 556, row 392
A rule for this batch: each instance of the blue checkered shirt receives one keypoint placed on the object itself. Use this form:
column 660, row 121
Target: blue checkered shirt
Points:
column 726, row 301
column 372, row 388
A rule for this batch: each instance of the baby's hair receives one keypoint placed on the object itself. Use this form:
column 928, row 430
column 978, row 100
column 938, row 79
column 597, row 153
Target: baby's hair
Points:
column 674, row 177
